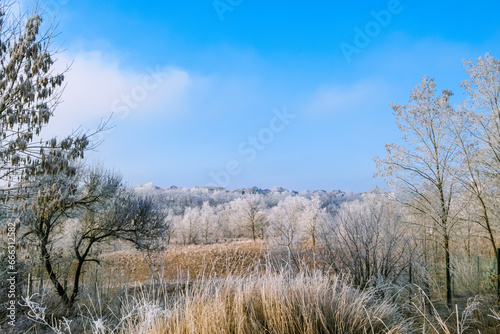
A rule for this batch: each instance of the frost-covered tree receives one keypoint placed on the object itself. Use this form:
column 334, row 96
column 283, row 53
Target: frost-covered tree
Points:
column 424, row 171
column 478, row 131
column 484, row 91
column 207, row 222
column 189, row 226
column 366, row 239
column 314, row 214
column 249, row 214
column 288, row 223
column 96, row 209
column 224, row 228
column 29, row 93
column 170, row 219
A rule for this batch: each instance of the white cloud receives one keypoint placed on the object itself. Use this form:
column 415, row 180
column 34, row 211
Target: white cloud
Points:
column 97, row 87
column 333, row 99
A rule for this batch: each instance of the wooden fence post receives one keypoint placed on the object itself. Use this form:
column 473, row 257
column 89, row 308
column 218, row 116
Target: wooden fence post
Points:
column 29, row 286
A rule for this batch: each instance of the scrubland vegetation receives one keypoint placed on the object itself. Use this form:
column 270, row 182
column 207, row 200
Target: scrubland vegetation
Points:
column 364, row 270
column 83, row 253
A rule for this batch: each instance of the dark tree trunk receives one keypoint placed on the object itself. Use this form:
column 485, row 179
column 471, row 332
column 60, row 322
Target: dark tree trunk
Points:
column 253, row 231
column 76, row 283
column 448, row 270
column 48, row 267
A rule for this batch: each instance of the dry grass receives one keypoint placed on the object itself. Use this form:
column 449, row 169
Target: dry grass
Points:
column 181, row 262
column 267, row 303
column 236, row 288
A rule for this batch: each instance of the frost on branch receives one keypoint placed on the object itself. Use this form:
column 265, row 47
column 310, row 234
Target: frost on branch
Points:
column 29, row 93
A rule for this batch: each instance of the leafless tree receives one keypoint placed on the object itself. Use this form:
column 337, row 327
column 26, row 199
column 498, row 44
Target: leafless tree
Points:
column 424, row 171
column 248, row 213
column 366, row 240
column 99, row 208
column 314, row 214
column 478, row 131
column 289, row 222
column 207, row 224
column 189, row 228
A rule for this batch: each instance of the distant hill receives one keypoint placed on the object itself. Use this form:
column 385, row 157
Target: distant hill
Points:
column 151, row 187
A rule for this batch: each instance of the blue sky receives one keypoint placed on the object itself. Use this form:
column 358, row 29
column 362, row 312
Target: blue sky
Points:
column 243, row 93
